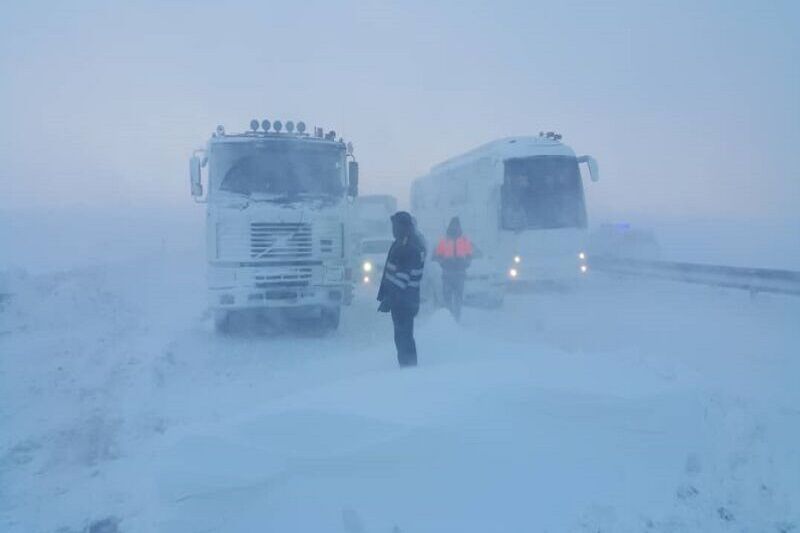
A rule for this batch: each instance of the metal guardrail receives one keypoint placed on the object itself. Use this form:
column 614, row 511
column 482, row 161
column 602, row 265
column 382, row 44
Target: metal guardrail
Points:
column 754, row 280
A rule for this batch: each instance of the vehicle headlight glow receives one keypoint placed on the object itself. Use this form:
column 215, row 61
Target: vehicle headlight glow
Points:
column 581, row 256
column 513, row 273
column 366, row 279
column 367, row 266
column 517, row 259
column 584, row 268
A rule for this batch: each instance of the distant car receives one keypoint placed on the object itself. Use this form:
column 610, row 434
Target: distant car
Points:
column 621, row 239
column 371, row 257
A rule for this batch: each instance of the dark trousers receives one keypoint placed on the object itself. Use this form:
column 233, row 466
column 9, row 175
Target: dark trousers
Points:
column 453, row 291
column 403, row 319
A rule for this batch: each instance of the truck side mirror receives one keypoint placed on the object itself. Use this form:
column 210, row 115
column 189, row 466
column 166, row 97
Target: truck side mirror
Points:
column 195, row 177
column 591, row 162
column 352, row 173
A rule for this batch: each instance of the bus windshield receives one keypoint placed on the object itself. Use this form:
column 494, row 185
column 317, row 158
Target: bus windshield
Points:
column 279, row 168
column 542, row 192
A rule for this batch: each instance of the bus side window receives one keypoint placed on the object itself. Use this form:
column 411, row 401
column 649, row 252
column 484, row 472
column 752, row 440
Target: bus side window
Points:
column 458, row 192
column 417, row 199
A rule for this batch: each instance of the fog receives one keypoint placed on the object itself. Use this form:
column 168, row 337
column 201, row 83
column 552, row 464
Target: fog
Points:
column 617, row 402
column 692, row 109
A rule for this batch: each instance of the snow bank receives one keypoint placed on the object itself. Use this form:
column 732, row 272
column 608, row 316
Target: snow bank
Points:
column 625, row 406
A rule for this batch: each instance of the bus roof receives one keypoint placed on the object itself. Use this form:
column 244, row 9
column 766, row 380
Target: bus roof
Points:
column 507, row 148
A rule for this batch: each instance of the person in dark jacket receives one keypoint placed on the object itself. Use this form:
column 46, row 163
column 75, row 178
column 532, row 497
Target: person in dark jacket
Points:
column 399, row 289
column 454, row 254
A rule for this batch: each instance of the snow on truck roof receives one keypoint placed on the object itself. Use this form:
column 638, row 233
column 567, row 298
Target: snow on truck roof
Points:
column 248, row 137
column 509, row 148
column 276, row 131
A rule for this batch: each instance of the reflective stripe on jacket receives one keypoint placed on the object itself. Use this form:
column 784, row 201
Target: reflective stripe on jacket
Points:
column 402, row 274
column 454, row 255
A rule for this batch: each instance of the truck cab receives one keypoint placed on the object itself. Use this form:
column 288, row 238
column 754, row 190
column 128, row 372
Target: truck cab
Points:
column 277, row 222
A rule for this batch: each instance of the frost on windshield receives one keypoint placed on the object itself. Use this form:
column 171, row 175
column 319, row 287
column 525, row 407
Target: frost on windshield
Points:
column 543, row 192
column 279, row 169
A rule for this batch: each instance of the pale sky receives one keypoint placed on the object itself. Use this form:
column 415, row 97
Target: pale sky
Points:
column 691, row 108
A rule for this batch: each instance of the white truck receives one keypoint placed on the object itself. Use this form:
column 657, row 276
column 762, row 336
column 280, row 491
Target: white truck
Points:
column 277, row 222
column 373, row 230
column 521, row 202
column 371, row 215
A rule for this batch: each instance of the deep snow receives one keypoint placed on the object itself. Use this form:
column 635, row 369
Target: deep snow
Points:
column 622, row 406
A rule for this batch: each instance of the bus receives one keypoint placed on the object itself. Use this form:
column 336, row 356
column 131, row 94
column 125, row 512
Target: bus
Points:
column 521, row 201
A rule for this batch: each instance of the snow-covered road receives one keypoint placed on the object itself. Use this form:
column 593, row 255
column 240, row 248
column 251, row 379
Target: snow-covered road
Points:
column 624, row 406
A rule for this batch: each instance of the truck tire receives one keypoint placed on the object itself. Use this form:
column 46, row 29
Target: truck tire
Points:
column 330, row 318
column 496, row 301
column 222, row 322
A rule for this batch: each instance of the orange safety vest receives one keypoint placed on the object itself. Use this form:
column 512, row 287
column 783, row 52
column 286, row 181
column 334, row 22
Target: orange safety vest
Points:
column 448, row 248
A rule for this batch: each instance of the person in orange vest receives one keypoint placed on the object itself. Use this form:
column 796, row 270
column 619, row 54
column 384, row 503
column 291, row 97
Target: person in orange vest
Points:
column 454, row 254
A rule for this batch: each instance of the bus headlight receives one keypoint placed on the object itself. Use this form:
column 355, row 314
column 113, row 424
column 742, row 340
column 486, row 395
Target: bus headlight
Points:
column 367, row 266
column 517, row 259
column 513, row 272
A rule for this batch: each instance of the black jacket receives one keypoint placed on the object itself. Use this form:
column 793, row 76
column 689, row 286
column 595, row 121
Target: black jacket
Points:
column 402, row 274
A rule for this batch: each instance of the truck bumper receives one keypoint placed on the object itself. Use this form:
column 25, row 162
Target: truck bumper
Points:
column 278, row 286
column 332, row 295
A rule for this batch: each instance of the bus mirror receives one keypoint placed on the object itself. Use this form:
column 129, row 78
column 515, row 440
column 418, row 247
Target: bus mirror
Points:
column 194, row 176
column 591, row 162
column 352, row 174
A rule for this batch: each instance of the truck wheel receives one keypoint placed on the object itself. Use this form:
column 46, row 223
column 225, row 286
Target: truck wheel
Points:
column 222, row 322
column 330, row 318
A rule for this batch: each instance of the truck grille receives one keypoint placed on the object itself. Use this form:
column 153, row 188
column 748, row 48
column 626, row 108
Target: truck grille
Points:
column 283, row 277
column 277, row 240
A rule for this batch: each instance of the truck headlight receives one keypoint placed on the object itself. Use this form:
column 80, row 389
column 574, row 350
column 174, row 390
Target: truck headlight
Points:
column 367, row 266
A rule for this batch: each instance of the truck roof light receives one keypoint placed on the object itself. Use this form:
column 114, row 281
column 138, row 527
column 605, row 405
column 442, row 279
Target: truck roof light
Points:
column 289, row 126
column 220, row 130
column 301, row 127
column 277, row 125
column 265, row 125
column 254, row 125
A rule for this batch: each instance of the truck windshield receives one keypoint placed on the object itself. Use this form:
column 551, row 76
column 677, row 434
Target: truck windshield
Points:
column 279, row 168
column 542, row 192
